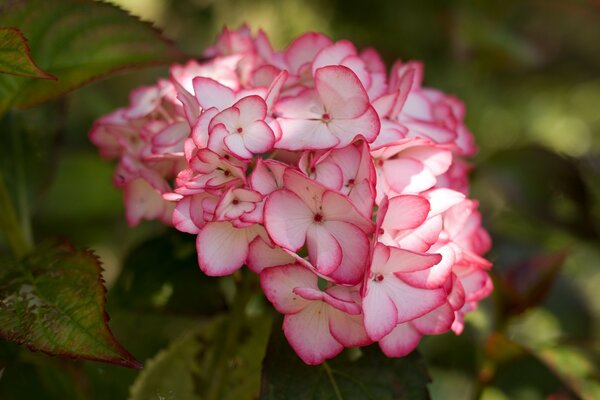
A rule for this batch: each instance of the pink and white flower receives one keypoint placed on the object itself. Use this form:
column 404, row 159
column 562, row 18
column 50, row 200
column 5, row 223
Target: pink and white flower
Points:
column 343, row 187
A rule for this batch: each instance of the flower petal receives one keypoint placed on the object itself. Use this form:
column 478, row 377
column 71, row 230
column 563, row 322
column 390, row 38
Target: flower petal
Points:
column 324, row 251
column 342, row 94
column 287, row 219
column 278, row 284
column 309, row 335
column 401, row 341
column 222, row 249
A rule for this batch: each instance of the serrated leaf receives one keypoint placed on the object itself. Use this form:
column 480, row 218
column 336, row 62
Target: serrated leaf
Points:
column 15, row 57
column 78, row 41
column 184, row 369
column 367, row 375
column 53, row 301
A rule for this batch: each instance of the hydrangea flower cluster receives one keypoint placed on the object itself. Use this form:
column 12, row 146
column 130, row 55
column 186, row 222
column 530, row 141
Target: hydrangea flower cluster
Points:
column 343, row 186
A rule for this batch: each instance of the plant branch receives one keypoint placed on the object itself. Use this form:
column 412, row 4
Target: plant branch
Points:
column 232, row 326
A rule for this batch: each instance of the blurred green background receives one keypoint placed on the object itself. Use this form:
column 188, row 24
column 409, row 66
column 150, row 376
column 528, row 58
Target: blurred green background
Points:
column 528, row 72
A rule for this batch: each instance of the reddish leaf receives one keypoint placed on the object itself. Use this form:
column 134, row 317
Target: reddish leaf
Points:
column 54, row 302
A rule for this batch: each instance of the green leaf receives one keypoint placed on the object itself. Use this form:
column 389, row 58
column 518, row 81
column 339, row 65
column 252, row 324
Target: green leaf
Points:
column 15, row 56
column 174, row 285
column 512, row 179
column 170, row 374
column 53, row 301
column 183, row 370
column 78, row 42
column 365, row 374
column 574, row 368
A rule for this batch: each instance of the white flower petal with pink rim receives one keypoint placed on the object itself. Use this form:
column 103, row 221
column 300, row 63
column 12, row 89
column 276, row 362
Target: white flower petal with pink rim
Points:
column 287, row 219
column 337, row 207
column 405, row 84
column 442, row 199
column 328, row 174
column 267, row 176
column 431, row 131
column 411, row 302
column 405, row 212
column 262, row 255
column 421, row 238
column 436, row 275
column 191, row 108
column 304, row 49
column 142, row 201
column 305, row 105
column 304, row 134
column 355, row 248
column 380, row 313
column 407, row 175
column 309, row 335
column 341, row 92
column 170, row 139
column 435, row 322
column 305, row 188
column 347, row 306
column 456, row 297
column 333, row 54
column 222, row 248
column 400, row 341
column 211, row 93
column 200, row 129
column 143, row 101
column 182, row 219
column 278, row 284
column 236, row 202
column 258, row 137
column 348, row 329
column 235, row 144
column 390, row 260
column 216, row 139
column 324, row 251
column 366, row 125
column 275, row 89
column 476, row 282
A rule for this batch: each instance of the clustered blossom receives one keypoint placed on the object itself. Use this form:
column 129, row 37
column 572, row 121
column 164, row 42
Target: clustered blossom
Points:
column 344, row 186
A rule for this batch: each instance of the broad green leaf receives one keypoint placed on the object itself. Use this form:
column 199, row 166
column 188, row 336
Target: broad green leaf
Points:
column 170, row 374
column 353, row 375
column 53, row 301
column 15, row 57
column 78, row 41
column 184, row 369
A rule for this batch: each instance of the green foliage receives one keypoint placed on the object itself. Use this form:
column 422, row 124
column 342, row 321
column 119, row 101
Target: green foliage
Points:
column 16, row 58
column 53, row 301
column 184, row 369
column 361, row 374
column 78, row 42
column 161, row 275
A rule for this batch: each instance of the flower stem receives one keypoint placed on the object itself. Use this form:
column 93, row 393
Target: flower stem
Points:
column 232, row 327
column 336, row 389
column 9, row 223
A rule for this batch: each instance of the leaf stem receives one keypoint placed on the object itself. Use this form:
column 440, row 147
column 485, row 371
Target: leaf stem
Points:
column 336, row 389
column 233, row 326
